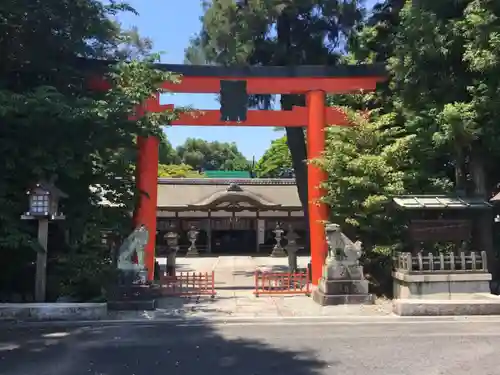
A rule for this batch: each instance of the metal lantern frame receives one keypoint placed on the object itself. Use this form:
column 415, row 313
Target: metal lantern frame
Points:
column 44, row 202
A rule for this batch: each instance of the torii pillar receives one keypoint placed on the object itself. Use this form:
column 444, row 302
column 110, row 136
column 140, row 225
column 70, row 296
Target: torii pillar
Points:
column 318, row 211
column 147, row 184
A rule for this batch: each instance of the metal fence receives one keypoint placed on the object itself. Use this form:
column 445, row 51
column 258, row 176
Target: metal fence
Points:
column 282, row 283
column 441, row 263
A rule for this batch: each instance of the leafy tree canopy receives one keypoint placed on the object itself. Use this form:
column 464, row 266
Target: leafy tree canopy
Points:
column 178, row 170
column 276, row 161
column 204, row 155
column 256, row 32
column 52, row 125
column 439, row 107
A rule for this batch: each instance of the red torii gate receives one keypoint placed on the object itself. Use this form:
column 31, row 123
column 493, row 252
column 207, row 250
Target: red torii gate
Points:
column 313, row 81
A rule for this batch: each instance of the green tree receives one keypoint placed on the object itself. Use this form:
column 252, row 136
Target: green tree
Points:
column 133, row 46
column 441, row 95
column 52, row 125
column 256, row 32
column 177, row 171
column 446, row 83
column 367, row 165
column 455, row 61
column 167, row 153
column 204, row 155
column 276, row 161
column 364, row 164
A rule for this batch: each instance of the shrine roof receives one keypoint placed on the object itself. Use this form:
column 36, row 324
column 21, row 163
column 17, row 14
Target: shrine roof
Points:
column 189, row 193
column 441, row 202
column 225, row 181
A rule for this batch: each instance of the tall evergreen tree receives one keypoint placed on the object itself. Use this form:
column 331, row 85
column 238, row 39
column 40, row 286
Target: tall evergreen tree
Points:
column 277, row 33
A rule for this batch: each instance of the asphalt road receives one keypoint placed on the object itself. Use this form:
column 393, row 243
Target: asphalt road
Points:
column 252, row 348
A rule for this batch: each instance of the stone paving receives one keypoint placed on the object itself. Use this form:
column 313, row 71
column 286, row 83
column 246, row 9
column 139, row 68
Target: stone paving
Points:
column 234, row 280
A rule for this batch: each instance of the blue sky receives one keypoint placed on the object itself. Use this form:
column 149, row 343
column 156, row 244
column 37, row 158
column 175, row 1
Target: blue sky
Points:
column 170, row 24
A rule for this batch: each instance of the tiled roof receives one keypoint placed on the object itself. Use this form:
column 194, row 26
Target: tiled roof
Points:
column 227, row 174
column 184, row 192
column 440, row 202
column 226, row 181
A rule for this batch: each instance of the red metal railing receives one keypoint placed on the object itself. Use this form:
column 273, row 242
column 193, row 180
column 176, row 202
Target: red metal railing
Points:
column 282, row 283
column 188, row 284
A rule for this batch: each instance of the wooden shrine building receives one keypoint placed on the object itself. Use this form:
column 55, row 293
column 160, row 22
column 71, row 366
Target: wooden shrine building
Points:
column 234, row 216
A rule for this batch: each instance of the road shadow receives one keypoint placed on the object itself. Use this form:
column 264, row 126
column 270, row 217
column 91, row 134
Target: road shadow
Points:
column 150, row 349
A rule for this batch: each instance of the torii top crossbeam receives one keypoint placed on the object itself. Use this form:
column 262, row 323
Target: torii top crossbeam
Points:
column 285, row 79
column 259, row 80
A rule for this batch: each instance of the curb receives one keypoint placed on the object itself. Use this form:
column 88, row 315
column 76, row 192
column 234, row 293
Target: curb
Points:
column 251, row 320
column 44, row 312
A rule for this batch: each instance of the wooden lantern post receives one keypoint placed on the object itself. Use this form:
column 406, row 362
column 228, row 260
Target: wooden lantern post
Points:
column 43, row 207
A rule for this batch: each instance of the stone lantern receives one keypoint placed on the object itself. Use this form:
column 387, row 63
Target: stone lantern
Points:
column 172, row 239
column 193, row 236
column 43, row 199
column 278, row 250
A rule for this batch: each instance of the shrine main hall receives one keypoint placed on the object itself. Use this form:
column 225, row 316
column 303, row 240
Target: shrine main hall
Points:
column 233, row 215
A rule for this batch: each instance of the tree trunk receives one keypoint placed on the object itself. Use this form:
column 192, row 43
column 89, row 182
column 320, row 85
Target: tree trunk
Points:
column 460, row 180
column 297, row 145
column 295, row 136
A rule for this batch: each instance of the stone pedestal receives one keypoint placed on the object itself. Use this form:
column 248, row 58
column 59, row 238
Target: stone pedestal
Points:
column 192, row 252
column 292, row 259
column 172, row 239
column 171, row 263
column 340, row 291
column 278, row 251
column 342, row 280
column 291, row 249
